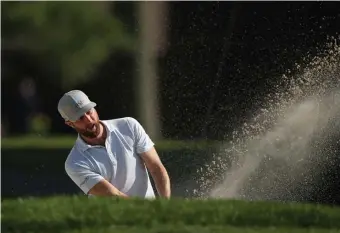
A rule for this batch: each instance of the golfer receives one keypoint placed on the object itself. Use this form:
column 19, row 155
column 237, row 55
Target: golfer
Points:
column 110, row 157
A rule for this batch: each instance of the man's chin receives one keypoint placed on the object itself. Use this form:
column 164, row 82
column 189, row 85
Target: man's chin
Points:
column 88, row 135
column 91, row 134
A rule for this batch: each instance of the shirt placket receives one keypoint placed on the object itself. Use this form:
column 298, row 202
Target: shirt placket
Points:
column 112, row 157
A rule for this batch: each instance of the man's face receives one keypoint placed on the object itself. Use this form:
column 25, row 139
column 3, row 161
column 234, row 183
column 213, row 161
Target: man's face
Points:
column 87, row 125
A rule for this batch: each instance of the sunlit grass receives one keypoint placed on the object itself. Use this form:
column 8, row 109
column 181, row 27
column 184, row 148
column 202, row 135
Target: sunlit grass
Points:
column 59, row 142
column 81, row 214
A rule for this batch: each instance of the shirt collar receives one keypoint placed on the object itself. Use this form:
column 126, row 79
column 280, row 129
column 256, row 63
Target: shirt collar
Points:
column 84, row 146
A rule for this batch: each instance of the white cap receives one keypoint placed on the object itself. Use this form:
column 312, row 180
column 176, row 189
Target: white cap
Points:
column 74, row 104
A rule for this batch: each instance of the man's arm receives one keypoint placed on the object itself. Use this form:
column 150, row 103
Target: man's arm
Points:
column 91, row 182
column 145, row 148
column 104, row 188
column 158, row 172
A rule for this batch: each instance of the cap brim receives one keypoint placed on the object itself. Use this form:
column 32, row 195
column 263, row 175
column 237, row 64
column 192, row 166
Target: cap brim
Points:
column 82, row 111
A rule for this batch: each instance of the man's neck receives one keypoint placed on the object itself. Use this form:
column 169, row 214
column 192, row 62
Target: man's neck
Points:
column 100, row 139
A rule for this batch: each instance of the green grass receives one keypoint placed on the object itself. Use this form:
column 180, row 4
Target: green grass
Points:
column 37, row 142
column 80, row 214
column 60, row 142
column 200, row 229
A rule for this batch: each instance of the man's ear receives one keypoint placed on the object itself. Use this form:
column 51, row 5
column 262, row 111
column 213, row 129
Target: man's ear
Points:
column 69, row 123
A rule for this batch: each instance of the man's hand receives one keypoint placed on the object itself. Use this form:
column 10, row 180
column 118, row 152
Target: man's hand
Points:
column 158, row 172
column 104, row 188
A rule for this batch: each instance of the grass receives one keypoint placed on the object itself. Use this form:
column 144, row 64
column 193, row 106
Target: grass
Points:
column 199, row 229
column 60, row 142
column 80, row 214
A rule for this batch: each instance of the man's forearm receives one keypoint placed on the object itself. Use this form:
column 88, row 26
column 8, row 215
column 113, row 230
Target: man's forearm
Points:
column 116, row 193
column 162, row 182
column 110, row 192
column 104, row 188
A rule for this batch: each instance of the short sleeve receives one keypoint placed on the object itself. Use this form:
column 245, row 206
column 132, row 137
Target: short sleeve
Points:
column 142, row 140
column 83, row 176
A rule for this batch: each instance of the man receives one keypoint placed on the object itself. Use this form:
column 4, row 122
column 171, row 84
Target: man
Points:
column 110, row 157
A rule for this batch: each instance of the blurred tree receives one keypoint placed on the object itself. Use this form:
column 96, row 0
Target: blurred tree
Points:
column 70, row 38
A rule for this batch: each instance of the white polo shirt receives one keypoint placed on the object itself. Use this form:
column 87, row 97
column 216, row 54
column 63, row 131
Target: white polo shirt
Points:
column 118, row 162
